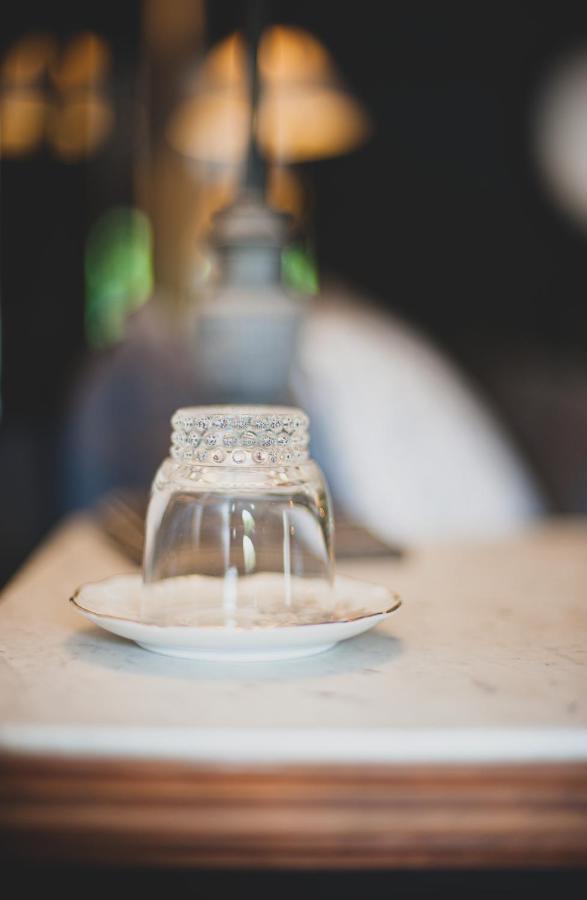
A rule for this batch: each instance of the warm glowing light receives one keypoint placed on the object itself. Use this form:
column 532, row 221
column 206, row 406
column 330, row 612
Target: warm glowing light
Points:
column 84, row 62
column 28, row 59
column 75, row 119
column 309, row 122
column 22, row 122
column 211, row 127
column 303, row 113
column 285, row 191
column 78, row 126
column 289, row 56
column 225, row 66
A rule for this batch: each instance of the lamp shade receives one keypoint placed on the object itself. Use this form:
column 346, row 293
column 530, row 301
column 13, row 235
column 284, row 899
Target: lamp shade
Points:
column 304, row 112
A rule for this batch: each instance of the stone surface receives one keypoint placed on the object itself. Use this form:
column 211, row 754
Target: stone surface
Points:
column 486, row 659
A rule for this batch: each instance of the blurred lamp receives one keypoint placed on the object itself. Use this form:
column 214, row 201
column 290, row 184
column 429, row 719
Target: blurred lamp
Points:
column 304, row 113
column 22, row 121
column 79, row 125
column 84, row 62
column 28, row 59
column 297, row 125
column 279, row 98
column 70, row 111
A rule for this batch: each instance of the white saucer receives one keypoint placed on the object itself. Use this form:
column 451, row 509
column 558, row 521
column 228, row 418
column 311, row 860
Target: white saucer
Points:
column 115, row 604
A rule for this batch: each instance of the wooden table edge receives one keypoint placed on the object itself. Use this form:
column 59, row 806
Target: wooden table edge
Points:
column 164, row 813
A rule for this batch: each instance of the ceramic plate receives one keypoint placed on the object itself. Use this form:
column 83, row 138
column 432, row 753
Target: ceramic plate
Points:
column 115, row 604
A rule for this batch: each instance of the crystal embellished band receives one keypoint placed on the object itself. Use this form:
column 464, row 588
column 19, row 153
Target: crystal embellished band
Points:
column 240, row 436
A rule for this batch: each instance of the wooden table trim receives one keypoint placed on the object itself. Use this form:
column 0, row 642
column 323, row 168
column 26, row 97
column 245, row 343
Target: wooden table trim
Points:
column 178, row 814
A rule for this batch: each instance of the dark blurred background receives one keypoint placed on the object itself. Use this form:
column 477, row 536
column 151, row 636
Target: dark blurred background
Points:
column 446, row 215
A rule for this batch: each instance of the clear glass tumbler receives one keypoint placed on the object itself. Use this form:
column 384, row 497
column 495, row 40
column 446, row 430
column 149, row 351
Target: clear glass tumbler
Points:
column 239, row 528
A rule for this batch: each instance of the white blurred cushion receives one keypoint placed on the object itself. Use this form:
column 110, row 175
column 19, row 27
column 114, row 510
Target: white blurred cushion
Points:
column 408, row 447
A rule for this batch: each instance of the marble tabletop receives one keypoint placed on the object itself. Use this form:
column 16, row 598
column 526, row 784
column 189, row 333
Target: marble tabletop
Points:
column 486, row 660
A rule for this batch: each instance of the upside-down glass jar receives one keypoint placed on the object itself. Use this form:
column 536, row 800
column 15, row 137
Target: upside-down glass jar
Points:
column 239, row 528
